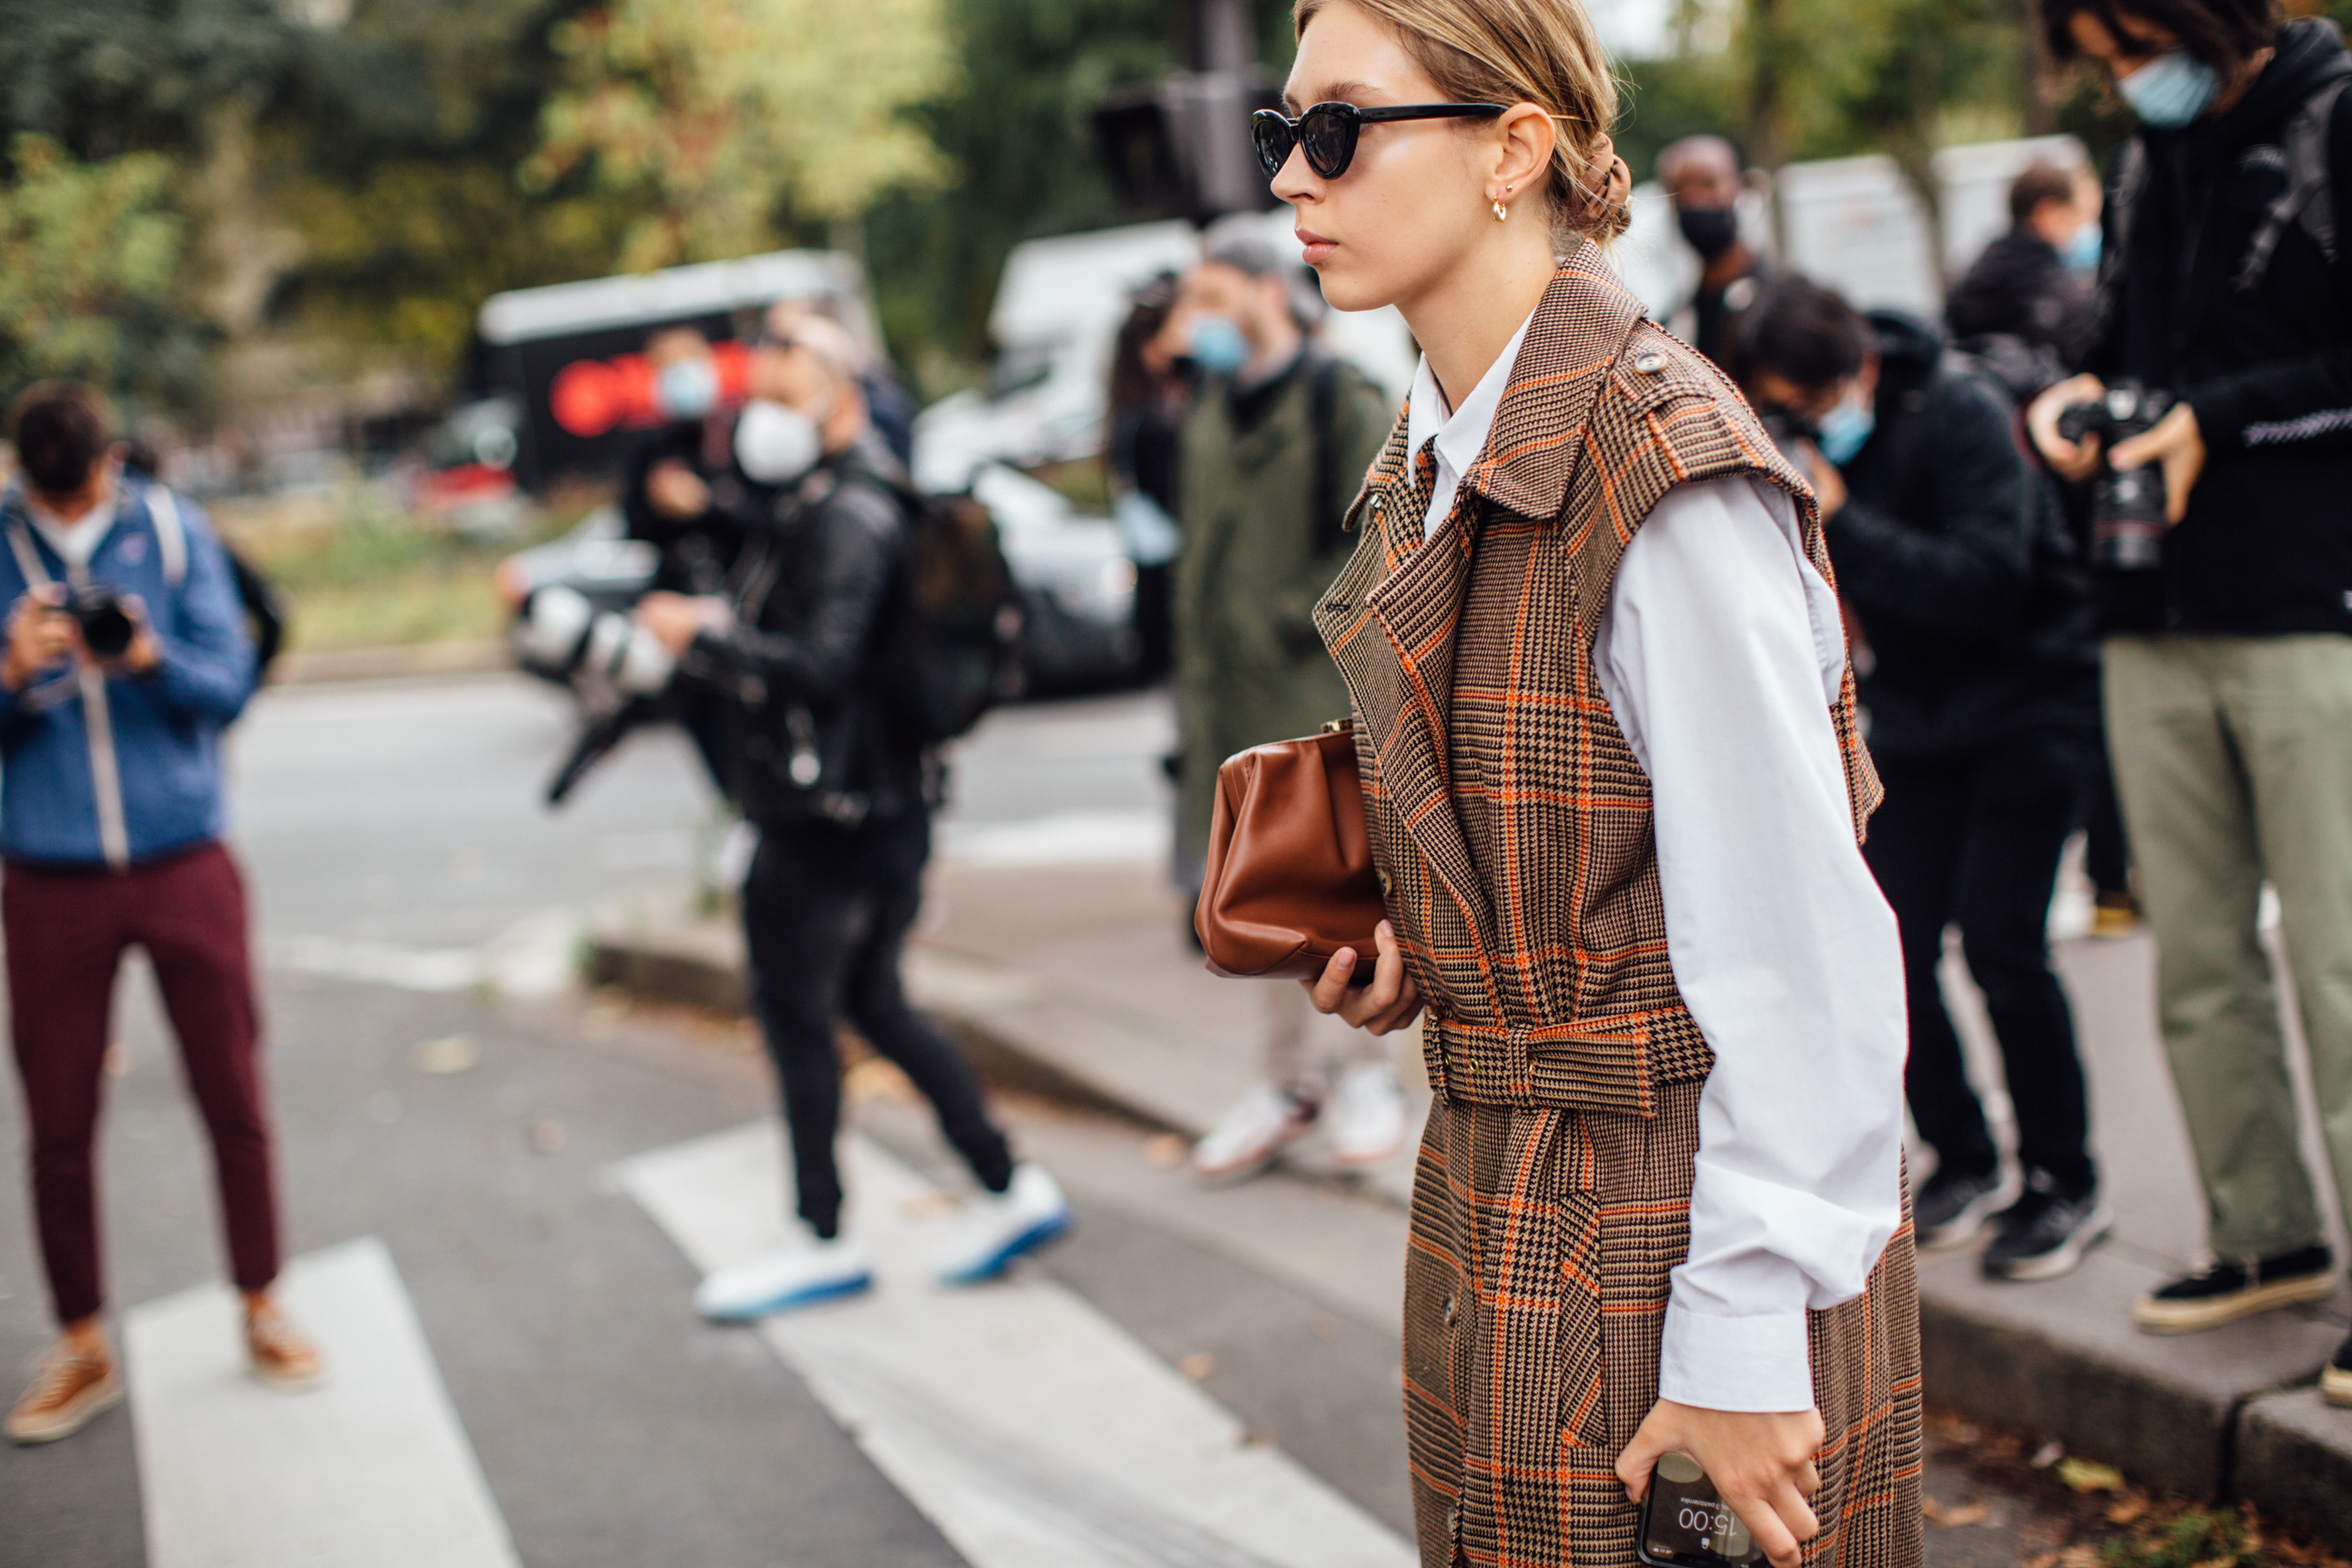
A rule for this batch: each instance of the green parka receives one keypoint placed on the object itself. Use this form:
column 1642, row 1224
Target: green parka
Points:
column 1259, row 549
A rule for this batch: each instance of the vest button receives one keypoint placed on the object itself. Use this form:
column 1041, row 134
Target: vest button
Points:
column 1651, row 360
column 1453, row 1304
column 1384, row 884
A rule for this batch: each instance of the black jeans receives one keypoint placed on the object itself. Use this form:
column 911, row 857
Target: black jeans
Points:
column 1973, row 841
column 826, row 915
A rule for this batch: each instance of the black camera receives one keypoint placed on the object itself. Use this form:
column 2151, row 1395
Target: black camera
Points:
column 2128, row 522
column 106, row 625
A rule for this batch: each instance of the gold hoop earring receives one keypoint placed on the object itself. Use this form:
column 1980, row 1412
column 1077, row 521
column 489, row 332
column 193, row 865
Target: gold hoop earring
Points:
column 1502, row 212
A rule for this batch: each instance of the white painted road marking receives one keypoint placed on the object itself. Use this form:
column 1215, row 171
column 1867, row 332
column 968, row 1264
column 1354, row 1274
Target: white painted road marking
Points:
column 372, row 1471
column 1031, row 1430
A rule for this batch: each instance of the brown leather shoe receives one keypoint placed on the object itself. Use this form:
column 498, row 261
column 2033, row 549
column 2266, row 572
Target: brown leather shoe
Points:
column 73, row 1386
column 281, row 1354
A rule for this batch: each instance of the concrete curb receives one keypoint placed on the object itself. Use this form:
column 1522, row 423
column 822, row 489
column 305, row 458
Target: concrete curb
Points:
column 2230, row 1415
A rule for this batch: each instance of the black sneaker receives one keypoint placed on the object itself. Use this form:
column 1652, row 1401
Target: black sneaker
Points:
column 1951, row 1208
column 2045, row 1232
column 2336, row 1377
column 2226, row 1291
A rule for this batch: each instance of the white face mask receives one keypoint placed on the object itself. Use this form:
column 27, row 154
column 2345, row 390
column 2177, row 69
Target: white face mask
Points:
column 776, row 444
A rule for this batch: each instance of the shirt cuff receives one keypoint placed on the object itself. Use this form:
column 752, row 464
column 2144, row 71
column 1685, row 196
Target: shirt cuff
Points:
column 1762, row 1362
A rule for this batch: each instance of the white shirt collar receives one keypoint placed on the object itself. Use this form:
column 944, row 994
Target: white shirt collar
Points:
column 75, row 542
column 1461, row 436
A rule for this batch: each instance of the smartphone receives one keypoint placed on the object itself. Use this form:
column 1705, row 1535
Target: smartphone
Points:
column 1686, row 1525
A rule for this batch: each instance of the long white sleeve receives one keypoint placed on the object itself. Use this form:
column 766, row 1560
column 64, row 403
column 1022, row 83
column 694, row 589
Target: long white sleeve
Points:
column 1721, row 652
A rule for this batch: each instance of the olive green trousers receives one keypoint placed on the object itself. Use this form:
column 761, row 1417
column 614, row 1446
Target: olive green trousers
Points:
column 2233, row 761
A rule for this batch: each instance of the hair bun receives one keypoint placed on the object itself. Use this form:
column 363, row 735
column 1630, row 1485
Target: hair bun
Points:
column 1604, row 194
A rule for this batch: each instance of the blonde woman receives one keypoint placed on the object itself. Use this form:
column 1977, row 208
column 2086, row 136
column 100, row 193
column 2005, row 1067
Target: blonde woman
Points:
column 1615, row 793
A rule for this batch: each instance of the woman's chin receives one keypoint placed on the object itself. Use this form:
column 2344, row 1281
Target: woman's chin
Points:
column 1345, row 289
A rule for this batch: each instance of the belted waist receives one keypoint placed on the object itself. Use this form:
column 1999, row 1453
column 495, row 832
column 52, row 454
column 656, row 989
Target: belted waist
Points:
column 1613, row 1067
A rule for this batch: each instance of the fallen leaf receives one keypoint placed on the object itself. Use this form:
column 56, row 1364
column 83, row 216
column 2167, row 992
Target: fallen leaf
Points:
column 1952, row 1518
column 1198, row 1365
column 1255, row 1438
column 449, row 1054
column 2128, row 1509
column 928, row 1202
column 873, row 1079
column 2079, row 1557
column 2089, row 1475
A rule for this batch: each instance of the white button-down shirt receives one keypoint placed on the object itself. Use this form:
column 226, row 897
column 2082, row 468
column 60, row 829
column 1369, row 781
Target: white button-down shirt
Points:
column 1721, row 652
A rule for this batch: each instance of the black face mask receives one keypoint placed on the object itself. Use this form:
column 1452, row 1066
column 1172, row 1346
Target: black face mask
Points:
column 1710, row 231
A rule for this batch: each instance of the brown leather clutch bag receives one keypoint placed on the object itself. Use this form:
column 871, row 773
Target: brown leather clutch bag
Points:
column 1290, row 879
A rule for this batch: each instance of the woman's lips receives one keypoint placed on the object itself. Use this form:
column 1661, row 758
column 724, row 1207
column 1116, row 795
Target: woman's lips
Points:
column 1318, row 249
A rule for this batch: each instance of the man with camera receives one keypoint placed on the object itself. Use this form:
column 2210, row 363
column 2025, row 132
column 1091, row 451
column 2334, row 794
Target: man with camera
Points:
column 799, row 648
column 1981, row 678
column 2216, row 417
column 126, row 656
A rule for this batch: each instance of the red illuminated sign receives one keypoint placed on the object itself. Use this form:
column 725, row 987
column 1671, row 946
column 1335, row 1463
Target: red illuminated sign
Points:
column 591, row 397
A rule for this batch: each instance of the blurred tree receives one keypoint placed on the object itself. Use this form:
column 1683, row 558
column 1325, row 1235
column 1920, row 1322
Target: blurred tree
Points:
column 736, row 113
column 90, row 254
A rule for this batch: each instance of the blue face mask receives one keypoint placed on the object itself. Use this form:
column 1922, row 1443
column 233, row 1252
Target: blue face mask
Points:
column 687, row 389
column 2170, row 90
column 2081, row 251
column 1216, row 344
column 1843, row 430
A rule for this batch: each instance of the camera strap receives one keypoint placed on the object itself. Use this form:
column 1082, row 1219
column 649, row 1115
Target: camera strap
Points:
column 98, row 722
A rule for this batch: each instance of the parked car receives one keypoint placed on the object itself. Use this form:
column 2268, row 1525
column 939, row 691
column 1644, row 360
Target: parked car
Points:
column 1077, row 585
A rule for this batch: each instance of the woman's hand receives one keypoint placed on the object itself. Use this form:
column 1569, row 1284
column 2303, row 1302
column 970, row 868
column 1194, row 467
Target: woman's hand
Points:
column 2069, row 459
column 1390, row 1002
column 1761, row 1464
column 2176, row 443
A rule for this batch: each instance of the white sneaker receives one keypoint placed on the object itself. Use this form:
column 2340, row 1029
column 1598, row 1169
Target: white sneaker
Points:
column 1000, row 1226
column 1367, row 1116
column 1252, row 1134
column 804, row 1270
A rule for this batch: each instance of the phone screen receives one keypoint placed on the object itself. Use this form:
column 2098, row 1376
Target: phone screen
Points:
column 1686, row 1525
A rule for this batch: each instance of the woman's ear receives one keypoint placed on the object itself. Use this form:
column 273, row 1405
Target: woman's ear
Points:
column 1524, row 138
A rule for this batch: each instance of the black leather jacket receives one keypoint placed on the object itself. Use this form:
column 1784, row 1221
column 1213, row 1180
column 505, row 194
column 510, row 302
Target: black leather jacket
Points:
column 810, row 737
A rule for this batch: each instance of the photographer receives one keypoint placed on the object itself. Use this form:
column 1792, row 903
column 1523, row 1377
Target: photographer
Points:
column 796, row 651
column 126, row 657
column 1982, row 681
column 2227, row 285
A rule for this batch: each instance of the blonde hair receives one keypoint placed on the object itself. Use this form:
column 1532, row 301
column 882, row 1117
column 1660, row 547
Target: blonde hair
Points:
column 1544, row 52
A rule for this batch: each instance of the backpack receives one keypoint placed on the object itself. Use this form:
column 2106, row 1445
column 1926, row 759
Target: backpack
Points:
column 951, row 642
column 2308, row 200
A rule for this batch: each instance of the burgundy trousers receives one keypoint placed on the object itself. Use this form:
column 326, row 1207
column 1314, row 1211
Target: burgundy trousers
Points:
column 67, row 930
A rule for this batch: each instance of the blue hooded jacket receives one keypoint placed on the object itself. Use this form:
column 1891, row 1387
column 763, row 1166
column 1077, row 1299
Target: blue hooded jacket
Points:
column 151, row 741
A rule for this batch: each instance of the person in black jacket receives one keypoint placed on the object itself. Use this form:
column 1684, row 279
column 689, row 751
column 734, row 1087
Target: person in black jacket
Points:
column 2033, row 283
column 1980, row 678
column 2229, row 668
column 842, row 804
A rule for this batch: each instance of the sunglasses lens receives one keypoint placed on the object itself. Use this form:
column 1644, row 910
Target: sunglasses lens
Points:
column 1272, row 135
column 1329, row 139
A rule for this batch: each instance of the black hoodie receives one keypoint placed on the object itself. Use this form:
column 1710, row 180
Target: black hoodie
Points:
column 1950, row 552
column 2266, row 547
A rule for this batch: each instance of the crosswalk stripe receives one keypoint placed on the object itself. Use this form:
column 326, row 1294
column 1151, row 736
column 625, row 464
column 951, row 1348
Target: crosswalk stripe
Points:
column 1031, row 1430
column 372, row 1471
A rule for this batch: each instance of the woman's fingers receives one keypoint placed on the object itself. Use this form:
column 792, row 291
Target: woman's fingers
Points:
column 1329, row 990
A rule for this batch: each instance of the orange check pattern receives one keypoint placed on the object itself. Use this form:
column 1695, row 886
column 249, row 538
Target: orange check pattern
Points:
column 1512, row 824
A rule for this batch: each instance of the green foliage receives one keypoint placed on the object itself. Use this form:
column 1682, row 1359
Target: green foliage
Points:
column 730, row 112
column 88, row 256
column 2192, row 1538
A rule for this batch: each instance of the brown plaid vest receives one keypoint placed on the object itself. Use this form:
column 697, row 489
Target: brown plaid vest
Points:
column 1507, row 811
column 1512, row 826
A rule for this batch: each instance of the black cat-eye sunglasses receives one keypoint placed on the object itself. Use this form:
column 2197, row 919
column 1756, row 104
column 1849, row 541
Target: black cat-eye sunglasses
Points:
column 1327, row 133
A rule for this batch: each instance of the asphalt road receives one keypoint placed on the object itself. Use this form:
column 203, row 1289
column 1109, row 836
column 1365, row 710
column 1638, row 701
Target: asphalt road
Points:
column 564, row 1403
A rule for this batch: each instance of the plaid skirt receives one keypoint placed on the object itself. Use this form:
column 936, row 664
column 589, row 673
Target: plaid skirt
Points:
column 1536, row 1285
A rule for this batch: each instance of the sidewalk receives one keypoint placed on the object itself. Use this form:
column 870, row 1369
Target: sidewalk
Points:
column 1075, row 978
